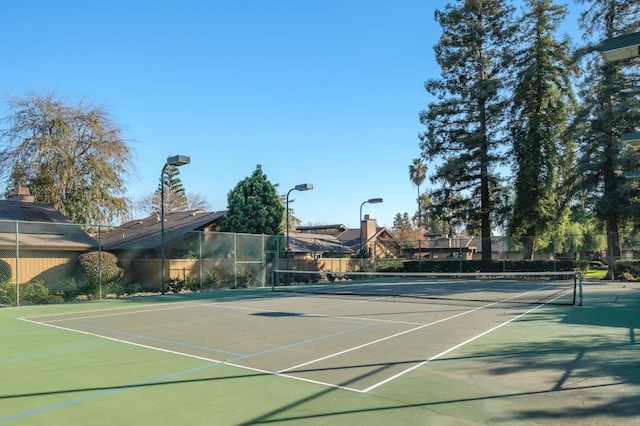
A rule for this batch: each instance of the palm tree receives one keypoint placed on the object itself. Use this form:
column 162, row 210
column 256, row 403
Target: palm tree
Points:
column 417, row 174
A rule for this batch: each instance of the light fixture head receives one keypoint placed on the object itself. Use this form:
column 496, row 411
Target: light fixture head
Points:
column 622, row 47
column 178, row 160
column 303, row 187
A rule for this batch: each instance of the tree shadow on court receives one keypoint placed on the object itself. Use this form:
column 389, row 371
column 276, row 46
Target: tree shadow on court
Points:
column 594, row 345
column 589, row 350
column 590, row 367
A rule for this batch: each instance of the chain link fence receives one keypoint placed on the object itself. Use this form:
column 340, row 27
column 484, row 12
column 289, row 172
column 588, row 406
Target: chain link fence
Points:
column 44, row 261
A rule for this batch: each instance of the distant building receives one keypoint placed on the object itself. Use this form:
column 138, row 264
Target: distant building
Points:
column 37, row 242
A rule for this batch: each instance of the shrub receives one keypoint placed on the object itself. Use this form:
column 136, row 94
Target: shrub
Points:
column 192, row 284
column 175, row 285
column 94, row 266
column 212, row 279
column 118, row 289
column 68, row 288
column 244, row 279
column 132, row 289
column 121, row 290
column 627, row 269
column 8, row 293
column 36, row 292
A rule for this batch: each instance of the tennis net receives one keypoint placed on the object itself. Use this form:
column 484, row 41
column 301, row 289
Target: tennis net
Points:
column 561, row 288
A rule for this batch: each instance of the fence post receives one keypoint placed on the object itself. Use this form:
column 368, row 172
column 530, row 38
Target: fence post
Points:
column 611, row 261
column 200, row 257
column 17, row 266
column 555, row 256
column 99, row 265
column 235, row 260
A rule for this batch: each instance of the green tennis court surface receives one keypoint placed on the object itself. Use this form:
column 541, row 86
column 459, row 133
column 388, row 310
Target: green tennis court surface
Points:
column 262, row 357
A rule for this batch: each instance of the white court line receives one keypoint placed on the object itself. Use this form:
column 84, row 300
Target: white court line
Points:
column 201, row 358
column 402, row 373
column 283, row 373
column 101, row 336
column 164, row 306
column 416, row 329
column 115, row 314
column 312, row 316
column 373, row 342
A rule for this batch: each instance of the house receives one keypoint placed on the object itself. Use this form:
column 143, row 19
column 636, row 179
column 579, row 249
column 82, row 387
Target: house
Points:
column 194, row 246
column 142, row 238
column 317, row 246
column 138, row 245
column 340, row 241
column 439, row 246
column 37, row 242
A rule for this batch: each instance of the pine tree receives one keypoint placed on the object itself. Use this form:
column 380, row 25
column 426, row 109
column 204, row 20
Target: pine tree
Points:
column 610, row 107
column 543, row 102
column 175, row 199
column 254, row 206
column 464, row 125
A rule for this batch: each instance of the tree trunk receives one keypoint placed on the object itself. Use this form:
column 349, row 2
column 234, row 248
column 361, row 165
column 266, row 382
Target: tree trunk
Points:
column 529, row 244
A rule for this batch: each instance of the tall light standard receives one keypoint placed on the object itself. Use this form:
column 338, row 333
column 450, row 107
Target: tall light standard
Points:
column 176, row 160
column 614, row 49
column 370, row 201
column 301, row 187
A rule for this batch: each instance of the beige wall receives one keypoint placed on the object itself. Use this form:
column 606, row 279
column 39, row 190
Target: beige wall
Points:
column 343, row 264
column 37, row 265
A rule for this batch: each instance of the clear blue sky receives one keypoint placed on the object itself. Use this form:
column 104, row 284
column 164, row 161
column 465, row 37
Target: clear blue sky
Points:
column 320, row 91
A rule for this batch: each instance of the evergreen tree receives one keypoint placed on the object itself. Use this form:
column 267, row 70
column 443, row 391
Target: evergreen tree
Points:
column 175, row 198
column 464, row 125
column 405, row 232
column 254, row 206
column 19, row 177
column 542, row 103
column 401, row 222
column 447, row 212
column 294, row 221
column 610, row 107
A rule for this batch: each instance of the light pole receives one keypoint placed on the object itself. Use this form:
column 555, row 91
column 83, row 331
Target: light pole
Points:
column 176, row 160
column 370, row 201
column 301, row 187
column 614, row 49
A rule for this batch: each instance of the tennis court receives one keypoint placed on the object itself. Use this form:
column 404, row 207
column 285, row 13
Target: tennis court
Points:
column 280, row 357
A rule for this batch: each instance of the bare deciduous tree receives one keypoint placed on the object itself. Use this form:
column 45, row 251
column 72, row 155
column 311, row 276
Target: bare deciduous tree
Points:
column 73, row 157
